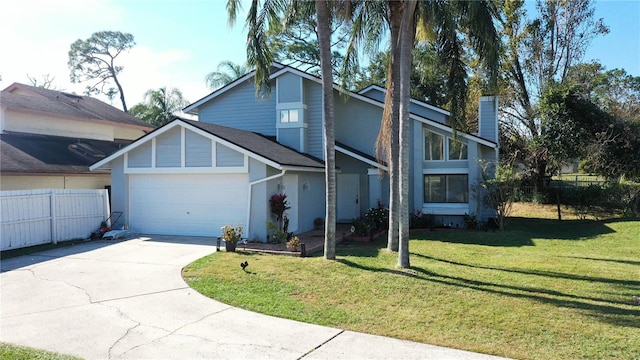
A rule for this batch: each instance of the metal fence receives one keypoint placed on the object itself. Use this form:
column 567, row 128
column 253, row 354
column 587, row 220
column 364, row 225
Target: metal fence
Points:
column 34, row 217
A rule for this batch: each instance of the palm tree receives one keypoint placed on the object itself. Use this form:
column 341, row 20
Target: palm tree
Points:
column 269, row 13
column 160, row 106
column 323, row 18
column 226, row 72
column 447, row 20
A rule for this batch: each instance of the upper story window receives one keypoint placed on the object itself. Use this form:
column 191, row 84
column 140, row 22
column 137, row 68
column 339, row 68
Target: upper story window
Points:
column 457, row 150
column 435, row 147
column 289, row 116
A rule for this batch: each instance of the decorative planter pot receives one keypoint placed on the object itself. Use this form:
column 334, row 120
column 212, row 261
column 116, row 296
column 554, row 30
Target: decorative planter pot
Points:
column 230, row 246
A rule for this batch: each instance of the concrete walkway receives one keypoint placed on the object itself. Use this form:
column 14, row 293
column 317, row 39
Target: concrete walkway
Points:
column 126, row 299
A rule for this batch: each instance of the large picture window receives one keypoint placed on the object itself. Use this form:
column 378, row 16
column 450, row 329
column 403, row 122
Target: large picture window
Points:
column 446, row 188
column 433, row 146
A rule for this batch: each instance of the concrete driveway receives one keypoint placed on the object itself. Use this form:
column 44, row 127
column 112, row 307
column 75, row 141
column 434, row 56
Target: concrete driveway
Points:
column 126, row 300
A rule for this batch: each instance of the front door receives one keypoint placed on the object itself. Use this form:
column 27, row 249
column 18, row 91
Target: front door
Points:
column 348, row 197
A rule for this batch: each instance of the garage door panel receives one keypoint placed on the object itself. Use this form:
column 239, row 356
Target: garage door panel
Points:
column 187, row 204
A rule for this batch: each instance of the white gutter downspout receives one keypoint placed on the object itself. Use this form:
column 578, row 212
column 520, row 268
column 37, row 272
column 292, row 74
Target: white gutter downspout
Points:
column 249, row 196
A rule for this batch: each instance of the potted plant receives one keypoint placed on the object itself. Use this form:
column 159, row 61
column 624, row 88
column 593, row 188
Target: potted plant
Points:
column 293, row 244
column 231, row 236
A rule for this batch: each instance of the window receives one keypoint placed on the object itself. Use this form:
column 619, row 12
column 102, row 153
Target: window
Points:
column 446, row 188
column 289, row 116
column 457, row 150
column 433, row 146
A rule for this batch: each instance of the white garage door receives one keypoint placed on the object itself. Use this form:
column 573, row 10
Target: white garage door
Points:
column 196, row 205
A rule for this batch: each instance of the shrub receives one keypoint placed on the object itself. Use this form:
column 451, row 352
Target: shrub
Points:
column 361, row 227
column 378, row 216
column 276, row 235
column 420, row 220
column 471, row 222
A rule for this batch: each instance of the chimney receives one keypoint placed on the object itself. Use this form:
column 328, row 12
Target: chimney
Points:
column 488, row 118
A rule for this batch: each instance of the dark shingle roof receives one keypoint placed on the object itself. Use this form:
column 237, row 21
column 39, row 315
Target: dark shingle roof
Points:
column 58, row 102
column 260, row 145
column 32, row 153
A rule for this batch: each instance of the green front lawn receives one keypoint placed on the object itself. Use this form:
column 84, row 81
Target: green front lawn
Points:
column 15, row 352
column 541, row 289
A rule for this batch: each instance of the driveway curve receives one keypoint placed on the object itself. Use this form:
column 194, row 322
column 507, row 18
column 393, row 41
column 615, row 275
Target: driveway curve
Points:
column 126, row 299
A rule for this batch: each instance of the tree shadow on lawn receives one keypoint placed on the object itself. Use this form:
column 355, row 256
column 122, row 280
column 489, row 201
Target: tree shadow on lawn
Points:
column 521, row 232
column 630, row 283
column 628, row 262
column 605, row 310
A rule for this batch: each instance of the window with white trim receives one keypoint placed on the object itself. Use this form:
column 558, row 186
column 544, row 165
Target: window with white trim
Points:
column 457, row 150
column 446, row 188
column 437, row 149
column 433, row 146
column 289, row 116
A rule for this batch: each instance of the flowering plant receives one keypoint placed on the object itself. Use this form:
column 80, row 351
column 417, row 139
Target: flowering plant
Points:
column 293, row 244
column 279, row 205
column 379, row 216
column 232, row 234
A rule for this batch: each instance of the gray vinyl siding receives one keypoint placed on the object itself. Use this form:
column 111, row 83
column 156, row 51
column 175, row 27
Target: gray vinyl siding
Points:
column 313, row 113
column 140, row 157
column 357, row 123
column 226, row 157
column 428, row 113
column 168, row 152
column 311, row 200
column 259, row 201
column 289, row 88
column 239, row 108
column 197, row 150
column 488, row 120
column 417, row 109
column 374, row 94
column 475, row 177
column 290, row 137
column 120, row 190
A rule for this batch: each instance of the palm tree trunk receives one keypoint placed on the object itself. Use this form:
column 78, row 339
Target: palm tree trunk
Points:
column 392, row 105
column 407, row 35
column 324, row 42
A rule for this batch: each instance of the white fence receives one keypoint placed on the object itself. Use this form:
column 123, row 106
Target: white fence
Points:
column 33, row 217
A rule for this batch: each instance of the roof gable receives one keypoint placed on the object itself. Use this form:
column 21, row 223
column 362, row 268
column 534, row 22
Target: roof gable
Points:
column 251, row 144
column 283, row 69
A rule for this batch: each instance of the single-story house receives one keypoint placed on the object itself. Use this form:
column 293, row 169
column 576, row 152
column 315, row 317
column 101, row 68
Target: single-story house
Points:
column 193, row 177
column 49, row 138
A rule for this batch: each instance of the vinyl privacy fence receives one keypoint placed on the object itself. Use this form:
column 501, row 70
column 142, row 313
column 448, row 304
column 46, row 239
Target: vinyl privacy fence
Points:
column 34, row 217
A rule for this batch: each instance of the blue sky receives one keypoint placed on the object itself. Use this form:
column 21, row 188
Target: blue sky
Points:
column 179, row 42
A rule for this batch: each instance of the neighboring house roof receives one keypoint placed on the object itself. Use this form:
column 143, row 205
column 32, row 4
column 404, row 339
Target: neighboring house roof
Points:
column 36, row 154
column 31, row 98
column 279, row 69
column 255, row 145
